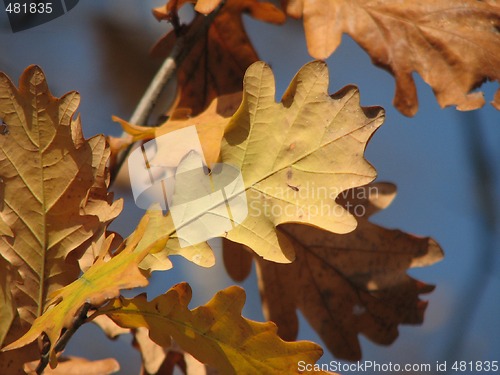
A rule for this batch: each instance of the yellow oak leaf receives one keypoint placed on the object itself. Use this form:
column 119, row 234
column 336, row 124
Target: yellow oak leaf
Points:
column 101, row 282
column 216, row 333
column 454, row 46
column 287, row 152
column 54, row 195
column 217, row 60
column 345, row 284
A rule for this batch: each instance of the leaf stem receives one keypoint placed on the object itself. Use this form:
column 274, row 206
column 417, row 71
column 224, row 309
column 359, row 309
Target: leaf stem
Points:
column 181, row 49
column 78, row 320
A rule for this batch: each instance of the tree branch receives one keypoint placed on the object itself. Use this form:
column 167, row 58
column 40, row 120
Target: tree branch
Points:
column 78, row 320
column 182, row 47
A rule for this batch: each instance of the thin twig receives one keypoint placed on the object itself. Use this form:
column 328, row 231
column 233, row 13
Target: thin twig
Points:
column 181, row 49
column 78, row 320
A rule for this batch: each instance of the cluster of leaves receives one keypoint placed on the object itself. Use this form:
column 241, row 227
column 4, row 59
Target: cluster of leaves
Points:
column 61, row 267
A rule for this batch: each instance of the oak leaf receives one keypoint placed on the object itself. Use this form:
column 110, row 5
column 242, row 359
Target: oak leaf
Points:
column 101, row 282
column 216, row 64
column 285, row 151
column 54, row 193
column 346, row 284
column 455, row 47
column 215, row 333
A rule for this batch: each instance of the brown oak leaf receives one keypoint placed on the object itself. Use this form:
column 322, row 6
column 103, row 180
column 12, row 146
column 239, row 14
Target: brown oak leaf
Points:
column 217, row 62
column 454, row 46
column 345, row 284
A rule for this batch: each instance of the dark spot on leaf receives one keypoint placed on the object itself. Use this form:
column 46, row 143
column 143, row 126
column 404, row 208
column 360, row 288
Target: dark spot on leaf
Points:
column 4, row 129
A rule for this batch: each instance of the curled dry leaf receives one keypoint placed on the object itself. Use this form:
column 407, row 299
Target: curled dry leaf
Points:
column 54, row 195
column 216, row 333
column 454, row 46
column 285, row 150
column 347, row 284
column 216, row 64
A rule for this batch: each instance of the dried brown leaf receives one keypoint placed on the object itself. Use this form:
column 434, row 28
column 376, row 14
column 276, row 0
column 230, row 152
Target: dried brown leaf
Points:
column 349, row 284
column 216, row 64
column 454, row 46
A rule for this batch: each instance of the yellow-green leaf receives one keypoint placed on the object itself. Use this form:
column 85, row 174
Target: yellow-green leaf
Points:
column 215, row 333
column 296, row 156
column 101, row 282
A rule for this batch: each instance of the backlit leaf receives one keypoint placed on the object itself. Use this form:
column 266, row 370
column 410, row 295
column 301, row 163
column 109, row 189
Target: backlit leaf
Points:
column 101, row 282
column 216, row 64
column 288, row 150
column 348, row 284
column 215, row 333
column 54, row 192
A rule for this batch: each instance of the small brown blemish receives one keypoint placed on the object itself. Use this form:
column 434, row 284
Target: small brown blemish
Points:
column 292, row 146
column 4, row 129
column 289, row 174
column 294, row 188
